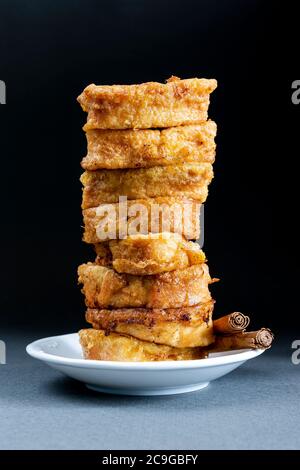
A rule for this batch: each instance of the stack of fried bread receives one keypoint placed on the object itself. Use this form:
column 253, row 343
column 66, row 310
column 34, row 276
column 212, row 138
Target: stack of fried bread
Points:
column 147, row 291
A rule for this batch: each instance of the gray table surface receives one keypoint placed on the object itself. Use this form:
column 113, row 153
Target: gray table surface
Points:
column 255, row 407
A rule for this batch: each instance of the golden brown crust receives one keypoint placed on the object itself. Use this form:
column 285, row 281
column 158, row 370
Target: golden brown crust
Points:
column 103, row 287
column 149, row 254
column 188, row 180
column 182, row 216
column 182, row 328
column 115, row 149
column 103, row 254
column 97, row 346
column 108, row 320
column 147, row 105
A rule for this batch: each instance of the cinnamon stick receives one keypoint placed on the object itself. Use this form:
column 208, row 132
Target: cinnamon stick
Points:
column 261, row 339
column 235, row 322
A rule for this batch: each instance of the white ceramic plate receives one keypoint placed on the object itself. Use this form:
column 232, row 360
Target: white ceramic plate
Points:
column 64, row 353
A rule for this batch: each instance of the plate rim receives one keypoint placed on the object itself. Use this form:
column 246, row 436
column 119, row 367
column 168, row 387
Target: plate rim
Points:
column 34, row 350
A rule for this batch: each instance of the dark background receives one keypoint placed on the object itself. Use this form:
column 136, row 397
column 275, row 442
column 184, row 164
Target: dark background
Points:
column 50, row 50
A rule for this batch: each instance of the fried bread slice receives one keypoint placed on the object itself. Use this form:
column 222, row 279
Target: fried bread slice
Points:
column 185, row 327
column 103, row 287
column 149, row 254
column 115, row 149
column 97, row 346
column 147, row 105
column 188, row 180
column 163, row 214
